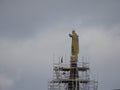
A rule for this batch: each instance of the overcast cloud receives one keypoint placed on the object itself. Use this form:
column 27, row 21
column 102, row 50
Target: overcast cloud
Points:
column 33, row 31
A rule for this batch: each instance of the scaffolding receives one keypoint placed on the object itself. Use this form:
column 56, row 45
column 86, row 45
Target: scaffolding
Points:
column 75, row 75
column 62, row 77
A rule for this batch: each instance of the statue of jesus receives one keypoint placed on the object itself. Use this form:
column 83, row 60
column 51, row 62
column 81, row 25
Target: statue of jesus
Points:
column 75, row 45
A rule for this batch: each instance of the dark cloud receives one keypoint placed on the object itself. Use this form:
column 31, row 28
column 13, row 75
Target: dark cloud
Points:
column 20, row 18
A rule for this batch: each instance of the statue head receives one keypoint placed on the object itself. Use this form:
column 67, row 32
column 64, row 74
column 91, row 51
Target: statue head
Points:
column 73, row 31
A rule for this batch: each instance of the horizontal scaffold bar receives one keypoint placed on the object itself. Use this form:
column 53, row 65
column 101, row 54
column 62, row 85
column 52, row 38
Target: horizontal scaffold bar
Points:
column 69, row 68
column 69, row 80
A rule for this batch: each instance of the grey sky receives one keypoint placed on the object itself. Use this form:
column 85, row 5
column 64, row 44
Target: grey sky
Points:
column 31, row 31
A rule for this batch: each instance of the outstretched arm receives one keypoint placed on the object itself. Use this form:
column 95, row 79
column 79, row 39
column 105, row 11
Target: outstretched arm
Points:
column 70, row 35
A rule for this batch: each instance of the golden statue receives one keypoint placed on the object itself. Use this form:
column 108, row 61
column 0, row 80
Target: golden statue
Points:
column 74, row 46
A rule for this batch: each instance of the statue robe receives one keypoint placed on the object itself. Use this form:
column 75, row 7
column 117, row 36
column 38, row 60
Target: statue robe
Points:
column 75, row 44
